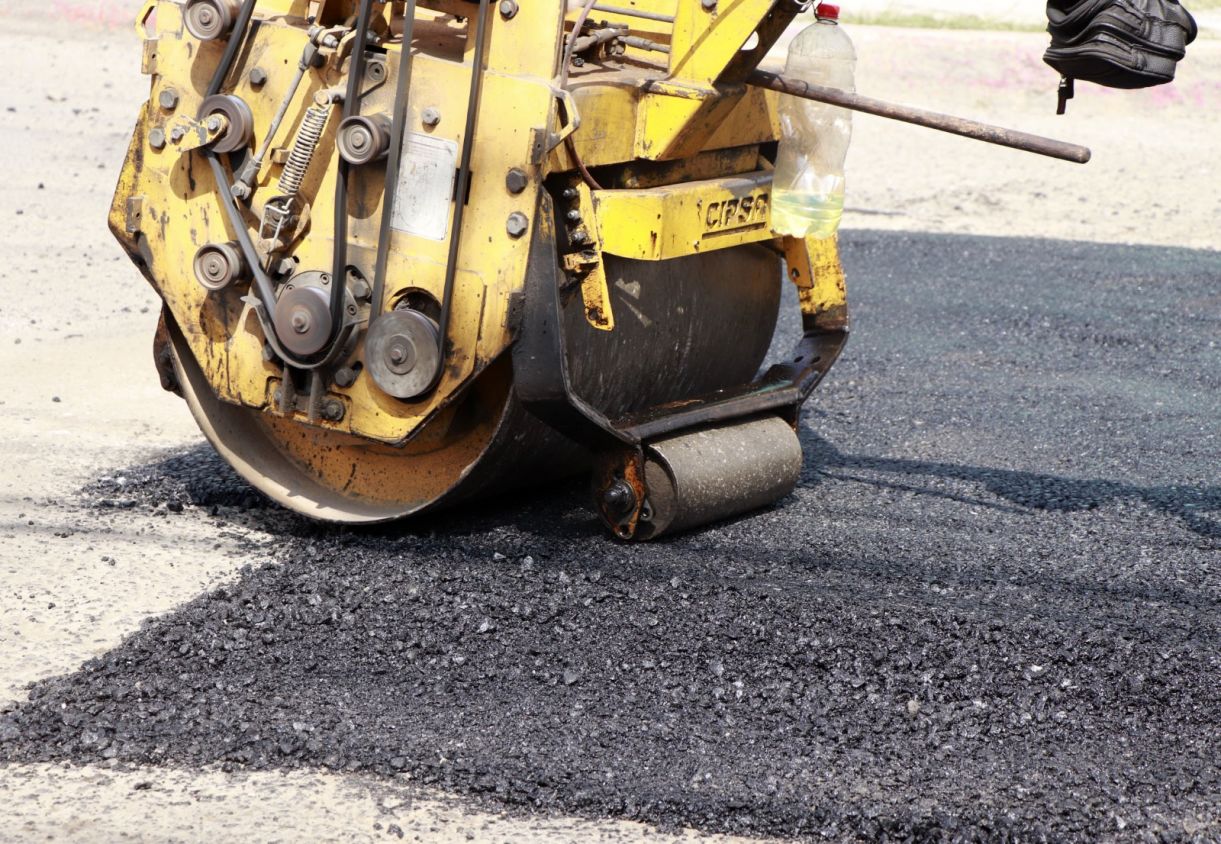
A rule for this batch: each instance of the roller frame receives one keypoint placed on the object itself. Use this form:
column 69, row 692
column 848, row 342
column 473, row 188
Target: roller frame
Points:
column 543, row 385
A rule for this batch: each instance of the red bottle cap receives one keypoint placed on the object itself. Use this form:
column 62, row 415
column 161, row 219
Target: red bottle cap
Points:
column 828, row 11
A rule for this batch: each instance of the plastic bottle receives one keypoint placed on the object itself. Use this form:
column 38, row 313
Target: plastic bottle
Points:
column 808, row 185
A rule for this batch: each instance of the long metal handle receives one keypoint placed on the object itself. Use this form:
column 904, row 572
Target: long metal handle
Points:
column 933, row 120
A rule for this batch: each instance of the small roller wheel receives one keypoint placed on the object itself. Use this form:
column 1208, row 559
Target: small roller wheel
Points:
column 209, row 20
column 240, row 121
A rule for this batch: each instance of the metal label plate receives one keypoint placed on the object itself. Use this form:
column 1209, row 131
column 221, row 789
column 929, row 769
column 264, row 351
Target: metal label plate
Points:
column 425, row 187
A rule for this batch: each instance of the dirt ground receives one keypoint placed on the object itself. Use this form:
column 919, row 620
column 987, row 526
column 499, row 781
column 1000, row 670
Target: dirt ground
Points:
column 79, row 397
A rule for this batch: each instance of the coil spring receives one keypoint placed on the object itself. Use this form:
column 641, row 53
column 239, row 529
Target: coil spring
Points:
column 308, row 136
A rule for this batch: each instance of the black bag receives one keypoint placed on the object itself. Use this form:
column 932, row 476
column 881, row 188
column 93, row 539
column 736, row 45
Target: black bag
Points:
column 1116, row 43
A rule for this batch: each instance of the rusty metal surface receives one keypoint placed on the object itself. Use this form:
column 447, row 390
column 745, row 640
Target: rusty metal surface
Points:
column 988, row 133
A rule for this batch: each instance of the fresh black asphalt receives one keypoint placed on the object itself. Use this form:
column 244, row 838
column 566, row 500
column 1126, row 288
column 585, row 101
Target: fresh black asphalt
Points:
column 991, row 611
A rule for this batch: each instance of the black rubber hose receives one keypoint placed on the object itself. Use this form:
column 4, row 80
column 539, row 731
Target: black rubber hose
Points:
column 351, row 108
column 262, row 284
column 464, row 182
column 235, row 43
column 394, row 163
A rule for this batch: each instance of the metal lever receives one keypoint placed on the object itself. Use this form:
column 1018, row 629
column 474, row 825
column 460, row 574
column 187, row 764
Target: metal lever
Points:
column 933, row 120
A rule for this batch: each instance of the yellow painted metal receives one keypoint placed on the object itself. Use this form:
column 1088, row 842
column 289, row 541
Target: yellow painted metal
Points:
column 182, row 209
column 586, row 264
column 681, row 147
column 656, row 224
column 814, row 266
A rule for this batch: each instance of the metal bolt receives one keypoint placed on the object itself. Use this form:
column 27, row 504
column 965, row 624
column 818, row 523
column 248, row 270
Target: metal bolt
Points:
column 570, row 193
column 213, row 124
column 333, row 410
column 376, row 71
column 156, row 139
column 300, row 322
column 619, row 499
column 258, row 77
column 517, row 224
column 577, row 61
column 708, row 5
column 345, row 376
column 574, row 216
column 508, row 8
column 177, row 134
column 430, row 116
column 168, row 99
column 516, row 180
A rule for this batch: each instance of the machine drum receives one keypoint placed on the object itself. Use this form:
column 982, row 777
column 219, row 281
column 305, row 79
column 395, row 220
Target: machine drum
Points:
column 700, row 477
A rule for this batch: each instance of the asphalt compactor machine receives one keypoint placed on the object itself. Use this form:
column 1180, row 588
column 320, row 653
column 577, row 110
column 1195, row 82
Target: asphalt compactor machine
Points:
column 414, row 252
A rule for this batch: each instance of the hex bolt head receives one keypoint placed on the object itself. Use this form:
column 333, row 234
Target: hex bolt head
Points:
column 708, row 5
column 333, row 410
column 570, row 193
column 156, row 139
column 177, row 134
column 430, row 116
column 168, row 99
column 574, row 216
column 345, row 376
column 508, row 8
column 516, row 180
column 517, row 224
column 258, row 77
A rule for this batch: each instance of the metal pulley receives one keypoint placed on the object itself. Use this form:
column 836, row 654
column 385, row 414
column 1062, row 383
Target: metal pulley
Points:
column 209, row 20
column 239, row 122
column 402, row 353
column 363, row 139
column 302, row 316
column 219, row 265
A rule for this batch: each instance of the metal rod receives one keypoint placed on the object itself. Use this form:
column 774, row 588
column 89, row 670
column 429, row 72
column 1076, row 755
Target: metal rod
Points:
column 644, row 44
column 394, row 162
column 942, row 122
column 250, row 170
column 634, row 13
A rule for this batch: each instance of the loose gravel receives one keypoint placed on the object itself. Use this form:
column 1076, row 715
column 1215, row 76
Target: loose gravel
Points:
column 990, row 612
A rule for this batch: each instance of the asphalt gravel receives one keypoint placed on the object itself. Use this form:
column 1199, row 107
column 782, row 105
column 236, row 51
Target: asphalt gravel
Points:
column 990, row 612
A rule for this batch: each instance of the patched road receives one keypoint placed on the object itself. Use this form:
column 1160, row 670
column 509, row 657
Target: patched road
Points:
column 990, row 612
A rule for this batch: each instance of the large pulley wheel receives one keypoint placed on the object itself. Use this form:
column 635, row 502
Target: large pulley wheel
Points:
column 403, row 353
column 239, row 121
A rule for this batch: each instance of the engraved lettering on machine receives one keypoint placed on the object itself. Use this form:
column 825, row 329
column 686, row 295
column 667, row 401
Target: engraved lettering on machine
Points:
column 744, row 212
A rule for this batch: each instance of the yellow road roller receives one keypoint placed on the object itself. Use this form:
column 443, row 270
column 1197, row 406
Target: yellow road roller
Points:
column 414, row 252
